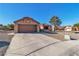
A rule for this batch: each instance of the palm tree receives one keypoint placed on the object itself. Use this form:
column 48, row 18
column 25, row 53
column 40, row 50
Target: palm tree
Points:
column 55, row 21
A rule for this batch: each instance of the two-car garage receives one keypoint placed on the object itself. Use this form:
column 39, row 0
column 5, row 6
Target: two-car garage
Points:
column 27, row 28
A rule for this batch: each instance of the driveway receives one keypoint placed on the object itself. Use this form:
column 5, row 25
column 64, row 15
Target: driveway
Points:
column 41, row 45
column 26, row 44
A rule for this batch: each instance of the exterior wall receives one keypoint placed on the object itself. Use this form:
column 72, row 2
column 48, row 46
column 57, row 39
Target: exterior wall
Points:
column 41, row 26
column 15, row 28
column 50, row 28
column 38, row 28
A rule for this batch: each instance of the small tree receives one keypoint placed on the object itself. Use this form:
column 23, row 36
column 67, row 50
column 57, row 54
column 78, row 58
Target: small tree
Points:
column 77, row 24
column 5, row 27
column 55, row 21
column 8, row 27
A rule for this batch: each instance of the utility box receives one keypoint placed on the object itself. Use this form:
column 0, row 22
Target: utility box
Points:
column 67, row 37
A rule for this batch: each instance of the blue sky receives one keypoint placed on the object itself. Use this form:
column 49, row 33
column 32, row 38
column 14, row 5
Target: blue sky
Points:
column 42, row 12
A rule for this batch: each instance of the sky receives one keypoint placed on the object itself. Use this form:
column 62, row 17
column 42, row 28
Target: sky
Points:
column 42, row 12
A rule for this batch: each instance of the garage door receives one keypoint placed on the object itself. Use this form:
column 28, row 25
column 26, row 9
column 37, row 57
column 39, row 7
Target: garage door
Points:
column 27, row 28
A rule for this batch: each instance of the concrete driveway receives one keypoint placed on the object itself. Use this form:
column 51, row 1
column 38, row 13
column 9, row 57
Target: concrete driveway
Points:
column 26, row 44
column 41, row 45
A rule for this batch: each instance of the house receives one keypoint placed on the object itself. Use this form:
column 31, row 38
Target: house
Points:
column 75, row 28
column 59, row 28
column 45, row 27
column 28, row 24
column 68, row 28
column 71, row 28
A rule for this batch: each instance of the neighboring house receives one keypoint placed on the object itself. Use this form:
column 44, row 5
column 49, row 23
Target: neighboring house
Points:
column 71, row 28
column 27, row 24
column 75, row 28
column 68, row 28
column 45, row 26
column 59, row 28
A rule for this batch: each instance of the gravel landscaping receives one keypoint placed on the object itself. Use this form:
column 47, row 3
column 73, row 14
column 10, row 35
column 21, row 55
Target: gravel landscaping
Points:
column 5, row 40
column 60, row 35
